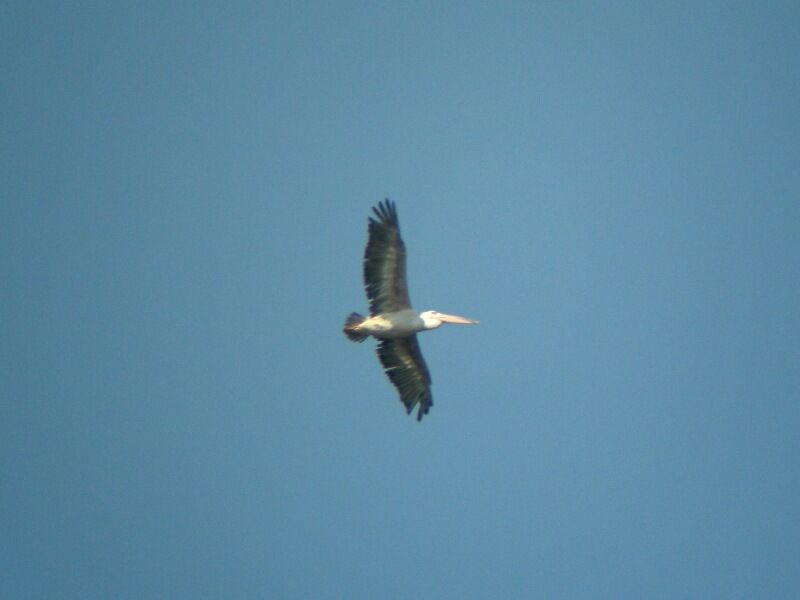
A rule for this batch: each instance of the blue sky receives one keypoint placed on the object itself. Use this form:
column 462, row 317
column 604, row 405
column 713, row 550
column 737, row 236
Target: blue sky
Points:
column 613, row 189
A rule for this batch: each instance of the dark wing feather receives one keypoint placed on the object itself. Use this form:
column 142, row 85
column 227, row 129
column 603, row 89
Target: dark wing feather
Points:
column 403, row 362
column 385, row 262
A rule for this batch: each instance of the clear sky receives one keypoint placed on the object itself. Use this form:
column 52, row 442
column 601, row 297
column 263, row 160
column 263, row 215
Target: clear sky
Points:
column 613, row 189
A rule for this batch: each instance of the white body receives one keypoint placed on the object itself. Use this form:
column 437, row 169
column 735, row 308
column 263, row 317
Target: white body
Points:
column 403, row 323
column 393, row 325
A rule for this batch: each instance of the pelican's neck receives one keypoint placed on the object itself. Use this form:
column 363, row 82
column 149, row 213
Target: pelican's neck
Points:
column 429, row 321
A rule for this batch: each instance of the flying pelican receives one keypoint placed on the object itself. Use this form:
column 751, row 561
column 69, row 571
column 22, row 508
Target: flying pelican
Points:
column 391, row 319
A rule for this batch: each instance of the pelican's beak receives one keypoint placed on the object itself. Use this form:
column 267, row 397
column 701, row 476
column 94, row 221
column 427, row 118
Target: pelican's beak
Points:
column 456, row 319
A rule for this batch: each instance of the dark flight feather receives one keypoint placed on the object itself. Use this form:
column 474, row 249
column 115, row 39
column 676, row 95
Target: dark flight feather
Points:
column 385, row 262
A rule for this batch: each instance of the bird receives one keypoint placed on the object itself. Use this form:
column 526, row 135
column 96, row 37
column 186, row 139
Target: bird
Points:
column 391, row 319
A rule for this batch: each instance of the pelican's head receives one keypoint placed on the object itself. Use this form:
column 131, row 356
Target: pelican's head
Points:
column 434, row 319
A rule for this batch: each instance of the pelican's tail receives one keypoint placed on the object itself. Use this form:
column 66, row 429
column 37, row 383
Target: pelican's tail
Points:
column 351, row 328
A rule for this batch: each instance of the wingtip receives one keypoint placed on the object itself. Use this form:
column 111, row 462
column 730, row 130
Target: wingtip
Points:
column 386, row 212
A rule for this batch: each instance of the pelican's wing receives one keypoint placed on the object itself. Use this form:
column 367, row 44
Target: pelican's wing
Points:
column 385, row 262
column 403, row 363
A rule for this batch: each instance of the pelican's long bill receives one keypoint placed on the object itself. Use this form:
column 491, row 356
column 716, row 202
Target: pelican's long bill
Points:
column 456, row 320
column 391, row 319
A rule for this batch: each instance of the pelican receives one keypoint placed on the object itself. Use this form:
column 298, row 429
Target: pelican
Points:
column 391, row 319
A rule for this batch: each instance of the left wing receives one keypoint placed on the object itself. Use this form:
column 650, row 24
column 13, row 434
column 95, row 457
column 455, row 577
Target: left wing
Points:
column 402, row 360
